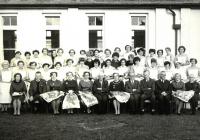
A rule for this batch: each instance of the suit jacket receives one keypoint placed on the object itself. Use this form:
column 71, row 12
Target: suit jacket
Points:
column 104, row 86
column 147, row 87
column 33, row 87
column 163, row 87
column 192, row 86
column 129, row 86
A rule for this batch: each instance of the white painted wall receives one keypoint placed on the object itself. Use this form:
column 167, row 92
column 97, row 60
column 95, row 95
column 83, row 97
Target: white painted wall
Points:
column 117, row 28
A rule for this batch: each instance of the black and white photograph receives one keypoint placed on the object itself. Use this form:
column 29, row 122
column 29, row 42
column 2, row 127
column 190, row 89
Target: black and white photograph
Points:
column 100, row 69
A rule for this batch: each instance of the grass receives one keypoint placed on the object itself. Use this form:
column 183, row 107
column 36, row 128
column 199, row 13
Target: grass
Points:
column 99, row 127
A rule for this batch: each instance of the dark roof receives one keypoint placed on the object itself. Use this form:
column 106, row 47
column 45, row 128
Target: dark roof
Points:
column 97, row 3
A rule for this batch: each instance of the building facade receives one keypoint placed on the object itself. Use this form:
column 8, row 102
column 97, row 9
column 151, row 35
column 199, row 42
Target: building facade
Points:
column 26, row 25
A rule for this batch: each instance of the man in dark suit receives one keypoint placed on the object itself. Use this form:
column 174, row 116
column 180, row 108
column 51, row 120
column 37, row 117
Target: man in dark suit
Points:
column 163, row 92
column 100, row 91
column 147, row 88
column 133, row 87
column 193, row 85
column 37, row 87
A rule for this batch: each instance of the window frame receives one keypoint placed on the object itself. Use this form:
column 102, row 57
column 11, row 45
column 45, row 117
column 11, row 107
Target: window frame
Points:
column 139, row 27
column 96, row 28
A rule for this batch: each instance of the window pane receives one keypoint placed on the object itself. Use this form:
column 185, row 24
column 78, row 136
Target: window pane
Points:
column 14, row 20
column 9, row 38
column 95, row 39
column 52, row 39
column 99, row 20
column 134, row 20
column 138, row 38
column 142, row 21
column 9, row 54
column 91, row 20
column 6, row 21
column 52, row 20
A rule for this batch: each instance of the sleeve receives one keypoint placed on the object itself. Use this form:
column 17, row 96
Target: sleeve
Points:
column 11, row 89
column 122, row 86
column 44, row 86
column 76, row 86
column 111, row 86
column 128, row 87
column 30, row 89
column 80, row 86
column 24, row 88
column 48, row 85
column 95, row 87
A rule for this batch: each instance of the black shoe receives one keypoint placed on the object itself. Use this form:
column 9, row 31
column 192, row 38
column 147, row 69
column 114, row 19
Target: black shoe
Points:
column 142, row 112
column 153, row 111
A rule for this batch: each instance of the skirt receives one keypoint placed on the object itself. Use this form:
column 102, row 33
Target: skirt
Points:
column 51, row 95
column 5, row 97
column 88, row 98
column 70, row 101
column 122, row 97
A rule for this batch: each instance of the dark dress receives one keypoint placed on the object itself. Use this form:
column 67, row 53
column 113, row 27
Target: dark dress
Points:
column 18, row 87
column 101, row 95
column 133, row 102
column 54, row 85
column 70, row 85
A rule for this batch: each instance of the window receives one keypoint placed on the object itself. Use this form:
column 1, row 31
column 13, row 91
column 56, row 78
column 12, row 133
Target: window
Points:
column 95, row 39
column 52, row 32
column 95, row 20
column 138, row 30
column 9, row 36
column 52, row 39
column 9, row 44
column 9, row 20
column 52, row 20
column 138, row 20
column 95, row 32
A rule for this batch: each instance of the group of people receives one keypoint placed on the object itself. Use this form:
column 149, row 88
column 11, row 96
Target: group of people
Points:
column 93, row 79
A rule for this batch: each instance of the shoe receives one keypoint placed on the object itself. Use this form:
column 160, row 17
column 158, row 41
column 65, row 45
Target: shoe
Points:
column 153, row 111
column 142, row 112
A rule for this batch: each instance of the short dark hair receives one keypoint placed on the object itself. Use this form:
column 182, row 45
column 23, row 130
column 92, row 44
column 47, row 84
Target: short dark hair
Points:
column 194, row 60
column 72, row 50
column 44, row 49
column 81, row 59
column 152, row 50
column 153, row 60
column 183, row 47
column 86, row 72
column 82, row 51
column 33, row 62
column 123, row 59
column 27, row 53
column 18, row 52
column 35, row 51
column 58, row 63
column 70, row 60
column 167, row 63
column 160, row 50
column 136, row 59
column 60, row 49
column 96, row 61
column 115, row 54
column 20, row 62
column 45, row 64
column 53, row 73
column 15, row 75
column 107, row 50
column 141, row 49
column 128, row 46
